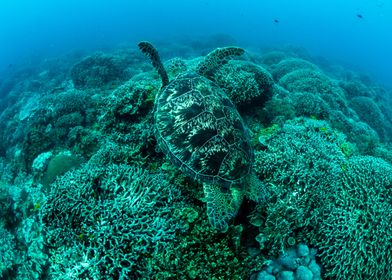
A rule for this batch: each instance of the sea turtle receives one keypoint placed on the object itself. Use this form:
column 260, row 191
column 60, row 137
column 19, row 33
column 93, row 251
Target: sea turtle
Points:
column 199, row 129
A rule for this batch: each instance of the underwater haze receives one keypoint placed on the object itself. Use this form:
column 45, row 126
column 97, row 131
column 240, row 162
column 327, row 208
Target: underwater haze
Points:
column 235, row 139
column 353, row 32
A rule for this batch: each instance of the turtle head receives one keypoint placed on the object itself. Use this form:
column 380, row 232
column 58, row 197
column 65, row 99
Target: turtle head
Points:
column 151, row 52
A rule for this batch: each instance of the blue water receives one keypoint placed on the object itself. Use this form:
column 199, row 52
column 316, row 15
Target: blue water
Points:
column 332, row 29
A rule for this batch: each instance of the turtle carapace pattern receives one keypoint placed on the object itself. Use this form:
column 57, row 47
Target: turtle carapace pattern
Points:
column 199, row 129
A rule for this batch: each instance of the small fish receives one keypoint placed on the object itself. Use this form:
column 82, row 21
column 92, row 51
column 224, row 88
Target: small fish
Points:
column 276, row 20
column 360, row 16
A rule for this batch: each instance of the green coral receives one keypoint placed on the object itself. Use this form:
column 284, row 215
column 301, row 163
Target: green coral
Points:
column 300, row 162
column 244, row 82
column 273, row 57
column 119, row 216
column 370, row 112
column 7, row 252
column 130, row 101
column 289, row 65
column 308, row 104
column 315, row 82
column 353, row 234
column 97, row 70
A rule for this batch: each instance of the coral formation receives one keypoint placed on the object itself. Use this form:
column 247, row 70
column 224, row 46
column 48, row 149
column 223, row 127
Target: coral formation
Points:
column 95, row 71
column 244, row 82
column 7, row 252
column 83, row 205
column 354, row 233
column 302, row 161
column 289, row 65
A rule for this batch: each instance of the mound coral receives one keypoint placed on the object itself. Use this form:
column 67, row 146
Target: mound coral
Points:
column 369, row 112
column 95, row 71
column 289, row 65
column 244, row 82
column 273, row 57
column 313, row 81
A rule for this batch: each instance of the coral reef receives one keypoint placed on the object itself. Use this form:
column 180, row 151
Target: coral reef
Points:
column 86, row 193
column 7, row 252
column 353, row 234
column 301, row 161
column 83, row 205
column 289, row 65
column 244, row 82
column 98, row 70
column 370, row 113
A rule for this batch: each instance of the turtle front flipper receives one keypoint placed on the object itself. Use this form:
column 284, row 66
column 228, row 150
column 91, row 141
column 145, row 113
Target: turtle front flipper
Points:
column 151, row 52
column 222, row 206
column 216, row 59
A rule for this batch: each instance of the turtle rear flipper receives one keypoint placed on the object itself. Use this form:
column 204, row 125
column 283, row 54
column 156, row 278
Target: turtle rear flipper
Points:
column 221, row 206
column 216, row 59
column 151, row 52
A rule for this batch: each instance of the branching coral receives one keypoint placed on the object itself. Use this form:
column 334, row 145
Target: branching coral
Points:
column 7, row 252
column 354, row 233
column 119, row 215
column 301, row 161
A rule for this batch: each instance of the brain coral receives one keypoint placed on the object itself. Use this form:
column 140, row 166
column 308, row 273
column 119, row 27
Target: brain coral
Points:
column 354, row 232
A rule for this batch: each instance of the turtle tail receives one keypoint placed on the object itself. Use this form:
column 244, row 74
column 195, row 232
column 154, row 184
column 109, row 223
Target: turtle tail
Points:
column 151, row 52
column 216, row 59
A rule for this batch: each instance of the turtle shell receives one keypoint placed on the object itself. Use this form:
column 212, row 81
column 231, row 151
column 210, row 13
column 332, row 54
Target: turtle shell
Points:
column 201, row 131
